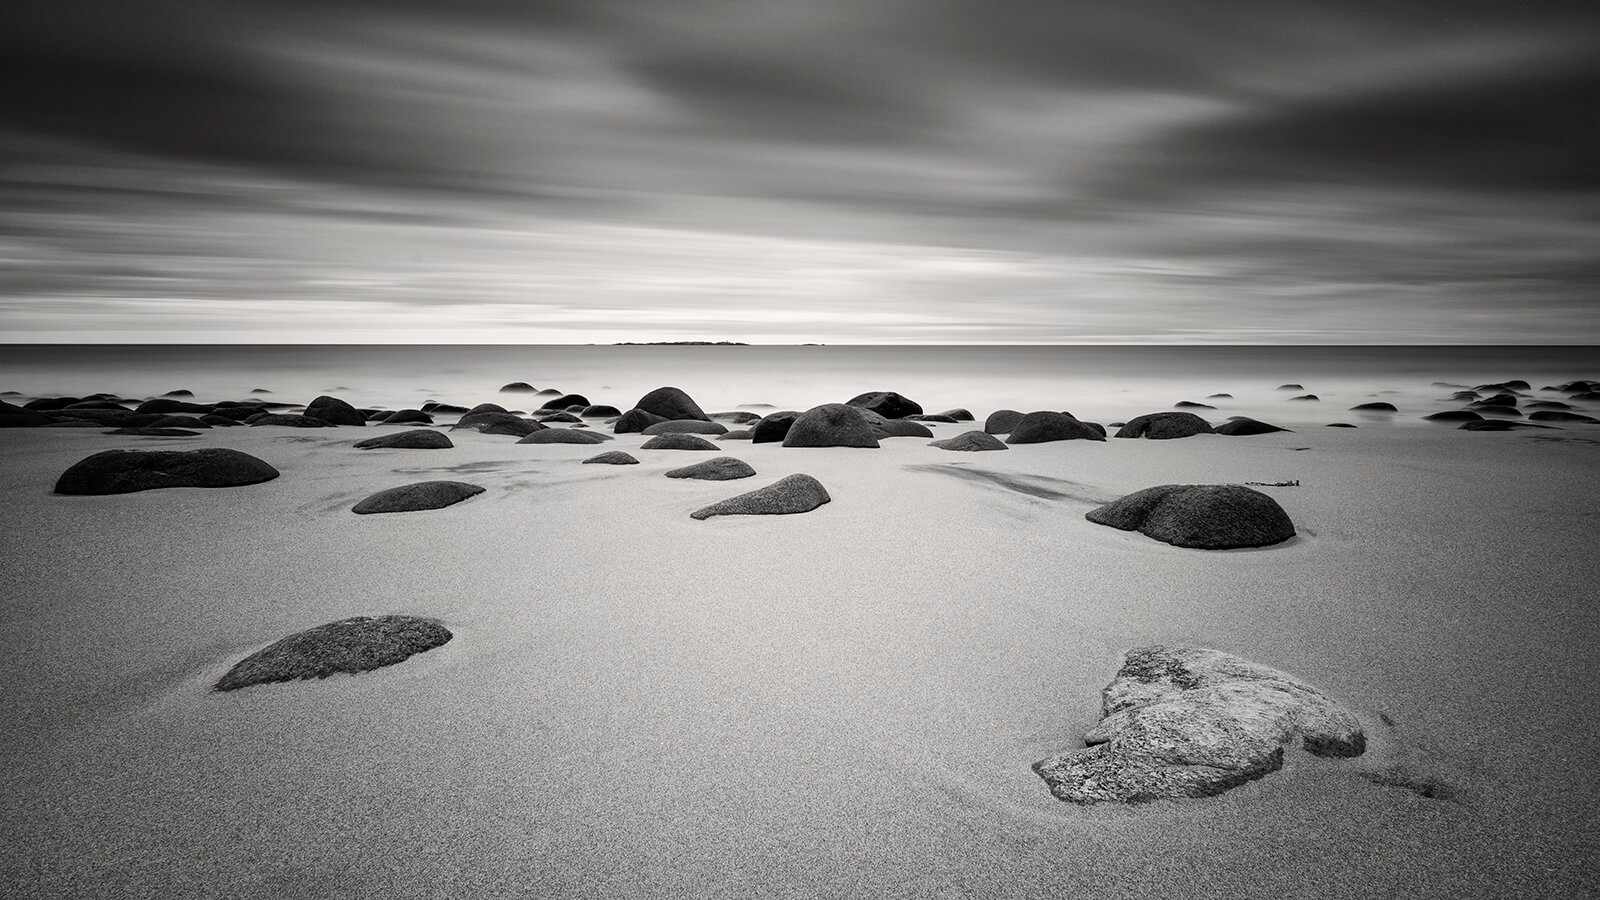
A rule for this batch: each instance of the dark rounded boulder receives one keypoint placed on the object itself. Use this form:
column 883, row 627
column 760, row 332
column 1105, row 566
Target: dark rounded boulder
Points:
column 1508, row 412
column 722, row 468
column 180, row 392
column 1291, row 387
column 635, row 421
column 178, row 422
column 1243, row 426
column 773, row 427
column 1454, row 415
column 287, row 421
column 564, row 436
column 1199, row 516
column 126, row 471
column 971, row 441
column 1002, row 421
column 1046, row 426
column 348, row 646
column 677, row 440
column 419, row 496
column 1464, row 396
column 613, row 458
column 415, row 439
column 517, row 387
column 888, row 428
column 686, row 426
column 407, row 417
column 153, row 431
column 165, row 405
column 736, row 416
column 498, row 423
column 888, row 404
column 566, row 400
column 1499, row 425
column 1547, row 404
column 563, row 417
column 485, row 408
column 670, row 403
column 1164, row 426
column 936, row 418
column 335, row 411
column 960, row 414
column 1501, row 399
column 1190, row 404
column 830, row 425
column 1375, row 406
column 600, row 411
column 787, row 496
column 1310, row 398
column 1556, row 415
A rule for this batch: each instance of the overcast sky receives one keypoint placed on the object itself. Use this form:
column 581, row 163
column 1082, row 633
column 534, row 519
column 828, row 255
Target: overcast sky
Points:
column 844, row 171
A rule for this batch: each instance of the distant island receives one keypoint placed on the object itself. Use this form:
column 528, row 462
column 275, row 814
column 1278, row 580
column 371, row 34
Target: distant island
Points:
column 680, row 344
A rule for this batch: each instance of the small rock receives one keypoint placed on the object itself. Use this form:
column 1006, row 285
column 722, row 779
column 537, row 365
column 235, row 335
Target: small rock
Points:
column 419, row 496
column 793, row 494
column 613, row 458
column 971, row 441
column 349, row 646
column 722, row 468
column 677, row 441
column 415, row 439
column 1199, row 516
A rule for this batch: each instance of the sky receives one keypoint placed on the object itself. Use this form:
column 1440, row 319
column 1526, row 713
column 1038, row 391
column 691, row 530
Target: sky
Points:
column 788, row 171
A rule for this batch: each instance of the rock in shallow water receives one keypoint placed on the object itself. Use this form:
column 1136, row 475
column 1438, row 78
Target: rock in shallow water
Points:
column 354, row 645
column 1181, row 722
column 127, row 471
column 789, row 495
column 1199, row 516
column 419, row 496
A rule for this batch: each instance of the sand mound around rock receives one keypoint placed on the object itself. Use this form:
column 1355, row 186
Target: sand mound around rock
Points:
column 789, row 495
column 419, row 496
column 1182, row 722
column 355, row 645
column 1200, row 516
column 126, row 471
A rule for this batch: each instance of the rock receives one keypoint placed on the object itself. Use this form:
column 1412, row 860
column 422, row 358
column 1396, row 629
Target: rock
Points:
column 959, row 414
column 408, row 417
column 1516, row 384
column 287, row 421
column 1219, row 396
column 564, row 436
column 635, row 421
column 415, row 439
column 1291, row 387
column 13, row 416
column 564, row 417
column 1498, row 425
column 886, row 403
column 418, row 496
column 1182, row 722
column 1199, row 516
column 1307, row 397
column 46, row 404
column 443, row 408
column 177, row 422
column 971, row 441
column 1454, row 415
column 1045, row 426
column 1547, row 404
column 687, row 426
column 348, row 646
column 163, row 405
column 1465, row 396
column 180, row 392
column 497, row 423
column 900, row 428
column 1190, row 404
column 938, row 418
column 722, row 468
column 1164, row 426
column 1509, row 412
column 98, row 404
column 1001, row 421
column 216, row 421
column 613, row 458
column 259, row 391
column 670, row 403
column 1556, row 415
column 1376, row 406
column 793, row 494
column 1496, row 400
column 1339, row 425
column 737, row 417
column 1242, row 426
column 126, row 471
column 485, row 408
column 600, row 412
column 517, row 387
column 774, row 426
column 566, row 400
column 743, row 434
column 677, row 441
column 830, row 425
column 153, row 431
column 1586, row 396
column 335, row 411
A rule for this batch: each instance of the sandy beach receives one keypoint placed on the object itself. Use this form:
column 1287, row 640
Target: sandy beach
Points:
column 841, row 703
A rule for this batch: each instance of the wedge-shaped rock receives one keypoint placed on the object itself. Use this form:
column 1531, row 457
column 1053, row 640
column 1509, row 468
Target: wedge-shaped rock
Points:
column 1181, row 722
column 419, row 496
column 792, row 494
column 722, row 468
column 1242, row 426
column 1200, row 516
column 126, row 471
column 349, row 646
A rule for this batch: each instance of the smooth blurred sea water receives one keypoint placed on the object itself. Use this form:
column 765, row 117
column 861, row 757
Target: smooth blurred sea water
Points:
column 1096, row 382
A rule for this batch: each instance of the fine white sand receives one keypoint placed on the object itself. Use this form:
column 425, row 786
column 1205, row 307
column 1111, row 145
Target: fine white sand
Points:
column 844, row 703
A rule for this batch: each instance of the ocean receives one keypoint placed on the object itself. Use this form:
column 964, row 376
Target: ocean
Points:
column 1095, row 382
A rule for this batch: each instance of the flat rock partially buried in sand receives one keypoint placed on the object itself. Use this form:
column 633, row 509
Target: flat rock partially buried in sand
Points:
column 348, row 646
column 789, row 495
column 419, row 496
column 1199, row 516
column 127, row 471
column 613, row 458
column 722, row 468
column 416, row 439
column 564, row 436
column 1181, row 722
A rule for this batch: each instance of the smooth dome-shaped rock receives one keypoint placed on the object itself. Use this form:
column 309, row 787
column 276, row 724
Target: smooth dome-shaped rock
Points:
column 126, row 471
column 1163, row 426
column 1454, row 415
column 830, row 425
column 960, row 414
column 670, row 403
column 1190, row 404
column 888, row 404
column 1182, row 722
column 564, row 436
column 889, row 428
column 485, row 408
column 613, row 458
column 517, row 387
column 1199, row 516
column 287, row 420
column 154, row 431
column 687, row 426
column 600, row 411
column 560, row 418
column 774, row 426
column 1045, row 426
column 419, row 496
column 348, row 646
column 1002, row 421
column 1507, row 412
column 1243, row 426
column 971, row 441
column 736, row 416
column 677, row 440
column 335, row 411
column 498, row 423
column 1291, row 387
column 406, row 417
column 415, row 439
column 787, row 496
column 722, row 468
column 1375, row 406
column 566, row 400
column 1556, row 415
column 1310, row 398
column 635, row 421
column 163, row 405
column 1498, row 425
